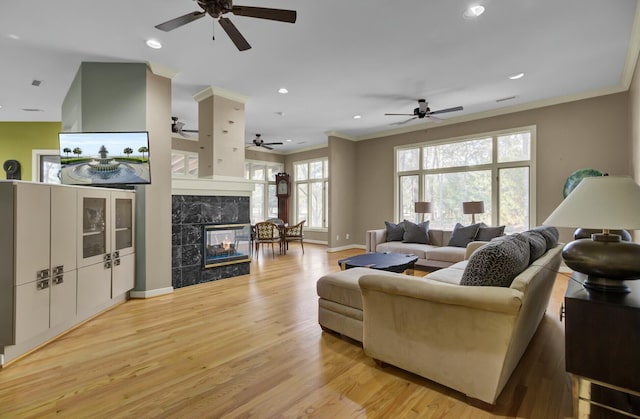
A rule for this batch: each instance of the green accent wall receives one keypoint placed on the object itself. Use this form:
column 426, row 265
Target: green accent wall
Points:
column 17, row 139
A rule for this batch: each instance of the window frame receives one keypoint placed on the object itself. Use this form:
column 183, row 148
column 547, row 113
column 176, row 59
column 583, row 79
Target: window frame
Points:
column 185, row 172
column 494, row 167
column 266, row 183
column 323, row 180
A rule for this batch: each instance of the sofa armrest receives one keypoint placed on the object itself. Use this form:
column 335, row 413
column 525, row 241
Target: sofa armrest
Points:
column 472, row 247
column 374, row 238
column 497, row 299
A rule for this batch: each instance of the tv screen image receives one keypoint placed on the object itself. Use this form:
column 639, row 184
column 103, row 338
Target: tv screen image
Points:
column 104, row 158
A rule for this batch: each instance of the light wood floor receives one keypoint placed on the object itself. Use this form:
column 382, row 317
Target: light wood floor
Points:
column 251, row 347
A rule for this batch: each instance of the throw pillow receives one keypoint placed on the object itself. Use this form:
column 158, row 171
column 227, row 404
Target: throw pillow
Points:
column 486, row 233
column 497, row 263
column 394, row 231
column 461, row 235
column 416, row 233
column 550, row 234
column 537, row 244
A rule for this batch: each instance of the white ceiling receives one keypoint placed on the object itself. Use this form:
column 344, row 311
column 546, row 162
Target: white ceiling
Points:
column 341, row 58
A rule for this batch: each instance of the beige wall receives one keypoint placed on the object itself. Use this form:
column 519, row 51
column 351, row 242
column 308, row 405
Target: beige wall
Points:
column 342, row 193
column 587, row 133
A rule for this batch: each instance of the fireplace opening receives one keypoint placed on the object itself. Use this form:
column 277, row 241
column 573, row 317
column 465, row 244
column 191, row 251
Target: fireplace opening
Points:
column 226, row 244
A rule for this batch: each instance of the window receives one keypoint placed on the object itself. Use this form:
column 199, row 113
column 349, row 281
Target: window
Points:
column 496, row 168
column 184, row 164
column 311, row 180
column 264, row 202
column 45, row 166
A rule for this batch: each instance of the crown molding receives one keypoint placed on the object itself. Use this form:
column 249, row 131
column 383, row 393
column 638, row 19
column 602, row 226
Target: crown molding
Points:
column 218, row 91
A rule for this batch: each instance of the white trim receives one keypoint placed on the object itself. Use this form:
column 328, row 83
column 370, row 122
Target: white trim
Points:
column 150, row 293
column 35, row 161
column 347, row 247
column 161, row 70
column 218, row 91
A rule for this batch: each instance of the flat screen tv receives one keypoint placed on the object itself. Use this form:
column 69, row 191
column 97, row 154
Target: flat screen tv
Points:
column 104, row 158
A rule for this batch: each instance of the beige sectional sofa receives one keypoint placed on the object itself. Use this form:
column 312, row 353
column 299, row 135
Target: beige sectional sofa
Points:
column 469, row 338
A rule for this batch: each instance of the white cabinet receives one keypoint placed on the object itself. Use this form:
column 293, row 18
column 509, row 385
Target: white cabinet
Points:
column 42, row 257
column 66, row 253
column 106, row 240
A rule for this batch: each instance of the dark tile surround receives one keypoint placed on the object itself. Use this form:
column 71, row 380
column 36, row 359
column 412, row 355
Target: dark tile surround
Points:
column 189, row 214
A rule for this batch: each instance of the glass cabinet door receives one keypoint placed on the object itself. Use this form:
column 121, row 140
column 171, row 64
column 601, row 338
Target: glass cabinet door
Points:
column 123, row 223
column 94, row 238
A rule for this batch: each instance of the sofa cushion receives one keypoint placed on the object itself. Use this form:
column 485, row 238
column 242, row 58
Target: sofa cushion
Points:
column 394, row 231
column 498, row 262
column 416, row 233
column 463, row 235
column 342, row 287
column 450, row 275
column 446, row 253
column 417, row 249
column 550, row 235
column 486, row 233
column 537, row 244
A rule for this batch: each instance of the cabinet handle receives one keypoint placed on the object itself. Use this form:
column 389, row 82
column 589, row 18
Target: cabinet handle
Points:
column 107, row 257
column 42, row 274
column 58, row 270
column 44, row 284
column 116, row 254
column 58, row 279
column 562, row 311
column 107, row 265
column 116, row 262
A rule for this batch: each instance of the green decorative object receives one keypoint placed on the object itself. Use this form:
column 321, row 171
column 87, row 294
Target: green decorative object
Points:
column 574, row 179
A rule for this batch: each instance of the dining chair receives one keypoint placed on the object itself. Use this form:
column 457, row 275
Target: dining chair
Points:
column 294, row 233
column 267, row 232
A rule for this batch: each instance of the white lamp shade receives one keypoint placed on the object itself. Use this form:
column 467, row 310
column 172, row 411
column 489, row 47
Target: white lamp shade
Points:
column 601, row 202
column 422, row 207
column 473, row 207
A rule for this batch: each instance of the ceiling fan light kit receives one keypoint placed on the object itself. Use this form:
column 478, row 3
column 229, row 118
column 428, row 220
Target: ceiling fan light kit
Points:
column 217, row 8
column 423, row 111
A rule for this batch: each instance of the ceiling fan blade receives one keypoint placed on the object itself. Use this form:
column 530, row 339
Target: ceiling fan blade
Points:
column 399, row 114
column 234, row 34
column 434, row 118
column 172, row 24
column 280, row 15
column 267, row 147
column 189, row 130
column 404, row 122
column 273, row 143
column 457, row 108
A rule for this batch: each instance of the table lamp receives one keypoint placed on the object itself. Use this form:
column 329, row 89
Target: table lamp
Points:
column 473, row 208
column 422, row 208
column 605, row 202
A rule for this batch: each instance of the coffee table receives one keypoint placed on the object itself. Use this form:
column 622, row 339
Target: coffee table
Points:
column 392, row 262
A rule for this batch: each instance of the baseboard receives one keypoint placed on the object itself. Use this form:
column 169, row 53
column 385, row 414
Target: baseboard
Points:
column 346, row 247
column 150, row 293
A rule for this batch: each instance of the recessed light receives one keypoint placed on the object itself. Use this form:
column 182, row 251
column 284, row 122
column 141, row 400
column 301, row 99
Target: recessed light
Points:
column 283, row 91
column 152, row 43
column 516, row 76
column 14, row 36
column 287, row 141
column 357, row 116
column 473, row 11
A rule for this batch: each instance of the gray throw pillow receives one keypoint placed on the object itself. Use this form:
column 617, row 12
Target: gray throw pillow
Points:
column 416, row 233
column 394, row 232
column 497, row 263
column 537, row 244
column 486, row 233
column 461, row 236
column 550, row 234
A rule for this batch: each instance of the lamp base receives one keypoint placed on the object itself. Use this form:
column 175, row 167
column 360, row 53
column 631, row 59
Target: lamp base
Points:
column 595, row 283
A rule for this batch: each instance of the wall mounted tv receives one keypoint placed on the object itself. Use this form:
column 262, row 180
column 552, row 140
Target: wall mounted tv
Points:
column 104, row 158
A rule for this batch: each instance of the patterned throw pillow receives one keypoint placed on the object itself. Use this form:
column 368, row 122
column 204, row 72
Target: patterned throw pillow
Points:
column 498, row 262
column 537, row 244
column 486, row 233
column 550, row 235
column 416, row 233
column 394, row 231
column 461, row 236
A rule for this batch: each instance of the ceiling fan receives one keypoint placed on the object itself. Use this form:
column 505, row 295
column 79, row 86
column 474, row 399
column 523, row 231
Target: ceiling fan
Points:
column 217, row 8
column 423, row 111
column 259, row 142
column 177, row 127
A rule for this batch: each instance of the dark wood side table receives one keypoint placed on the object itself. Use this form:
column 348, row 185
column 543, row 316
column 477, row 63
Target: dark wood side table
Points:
column 602, row 350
